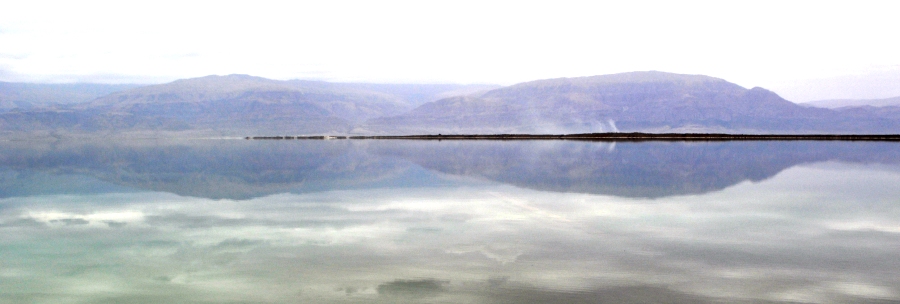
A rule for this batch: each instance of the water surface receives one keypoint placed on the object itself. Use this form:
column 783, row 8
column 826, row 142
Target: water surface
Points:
column 449, row 222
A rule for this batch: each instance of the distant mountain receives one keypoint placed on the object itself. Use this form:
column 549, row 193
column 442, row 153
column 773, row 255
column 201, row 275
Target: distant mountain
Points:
column 241, row 105
column 841, row 103
column 871, row 85
column 234, row 105
column 34, row 95
column 350, row 101
column 414, row 95
column 638, row 101
column 241, row 102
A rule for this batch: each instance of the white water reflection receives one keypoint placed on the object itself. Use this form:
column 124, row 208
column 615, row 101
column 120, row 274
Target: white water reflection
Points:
column 821, row 233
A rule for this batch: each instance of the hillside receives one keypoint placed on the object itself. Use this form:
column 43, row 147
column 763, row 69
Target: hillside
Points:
column 233, row 105
column 241, row 105
column 35, row 95
column 636, row 101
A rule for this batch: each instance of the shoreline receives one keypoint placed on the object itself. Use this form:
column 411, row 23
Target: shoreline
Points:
column 634, row 136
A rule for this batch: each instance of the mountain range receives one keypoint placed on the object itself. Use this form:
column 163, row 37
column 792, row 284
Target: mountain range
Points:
column 638, row 101
column 37, row 95
column 232, row 105
column 242, row 105
column 842, row 103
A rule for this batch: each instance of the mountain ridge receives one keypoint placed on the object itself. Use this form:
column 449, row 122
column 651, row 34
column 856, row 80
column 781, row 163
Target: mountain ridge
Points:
column 232, row 105
column 635, row 101
column 643, row 101
column 844, row 103
column 25, row 96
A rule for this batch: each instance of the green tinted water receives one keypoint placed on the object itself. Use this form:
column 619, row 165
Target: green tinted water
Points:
column 449, row 222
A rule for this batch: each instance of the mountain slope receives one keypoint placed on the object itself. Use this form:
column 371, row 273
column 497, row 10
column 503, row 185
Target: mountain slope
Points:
column 214, row 98
column 637, row 101
column 233, row 105
column 241, row 105
column 33, row 95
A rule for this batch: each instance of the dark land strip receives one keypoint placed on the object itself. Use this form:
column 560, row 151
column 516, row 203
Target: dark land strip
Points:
column 613, row 137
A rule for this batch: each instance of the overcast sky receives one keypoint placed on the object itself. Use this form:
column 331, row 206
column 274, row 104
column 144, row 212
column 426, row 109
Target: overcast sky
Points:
column 796, row 48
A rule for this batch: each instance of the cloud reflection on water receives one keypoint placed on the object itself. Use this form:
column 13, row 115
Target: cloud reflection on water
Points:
column 824, row 233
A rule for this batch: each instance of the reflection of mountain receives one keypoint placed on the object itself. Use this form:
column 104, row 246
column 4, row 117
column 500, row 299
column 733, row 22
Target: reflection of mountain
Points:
column 631, row 169
column 239, row 169
column 233, row 169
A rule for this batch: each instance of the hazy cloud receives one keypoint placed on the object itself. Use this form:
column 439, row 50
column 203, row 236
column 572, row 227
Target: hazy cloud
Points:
column 410, row 41
column 873, row 85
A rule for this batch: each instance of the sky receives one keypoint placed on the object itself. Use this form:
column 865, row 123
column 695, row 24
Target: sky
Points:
column 803, row 50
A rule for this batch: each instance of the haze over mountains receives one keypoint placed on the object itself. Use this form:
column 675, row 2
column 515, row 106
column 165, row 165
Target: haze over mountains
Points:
column 841, row 103
column 234, row 105
column 241, row 105
column 35, row 95
column 638, row 101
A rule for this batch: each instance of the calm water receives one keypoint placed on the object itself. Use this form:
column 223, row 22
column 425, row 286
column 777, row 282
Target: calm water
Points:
column 449, row 222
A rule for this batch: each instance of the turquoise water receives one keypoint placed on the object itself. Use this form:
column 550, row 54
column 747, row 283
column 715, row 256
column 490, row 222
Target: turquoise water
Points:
column 236, row 221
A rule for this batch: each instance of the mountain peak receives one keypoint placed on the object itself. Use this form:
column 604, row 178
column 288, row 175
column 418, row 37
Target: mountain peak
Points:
column 636, row 101
column 651, row 76
column 760, row 93
column 641, row 77
column 229, row 79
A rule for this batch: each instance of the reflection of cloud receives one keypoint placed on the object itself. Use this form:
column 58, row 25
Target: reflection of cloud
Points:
column 237, row 245
column 773, row 240
column 23, row 223
column 502, row 253
column 864, row 290
column 70, row 221
column 627, row 294
column 114, row 224
column 103, row 219
column 412, row 288
column 836, row 292
column 866, row 226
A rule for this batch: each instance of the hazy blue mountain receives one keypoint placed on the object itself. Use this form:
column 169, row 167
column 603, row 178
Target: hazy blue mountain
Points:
column 239, row 100
column 637, row 101
column 860, row 115
column 414, row 95
column 233, row 105
column 241, row 105
column 353, row 102
column 31, row 95
column 842, row 103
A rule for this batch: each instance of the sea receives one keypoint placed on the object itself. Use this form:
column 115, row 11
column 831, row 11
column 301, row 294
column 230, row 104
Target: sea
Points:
column 449, row 221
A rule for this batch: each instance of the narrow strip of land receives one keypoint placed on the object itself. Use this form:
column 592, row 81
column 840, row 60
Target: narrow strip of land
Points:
column 614, row 137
